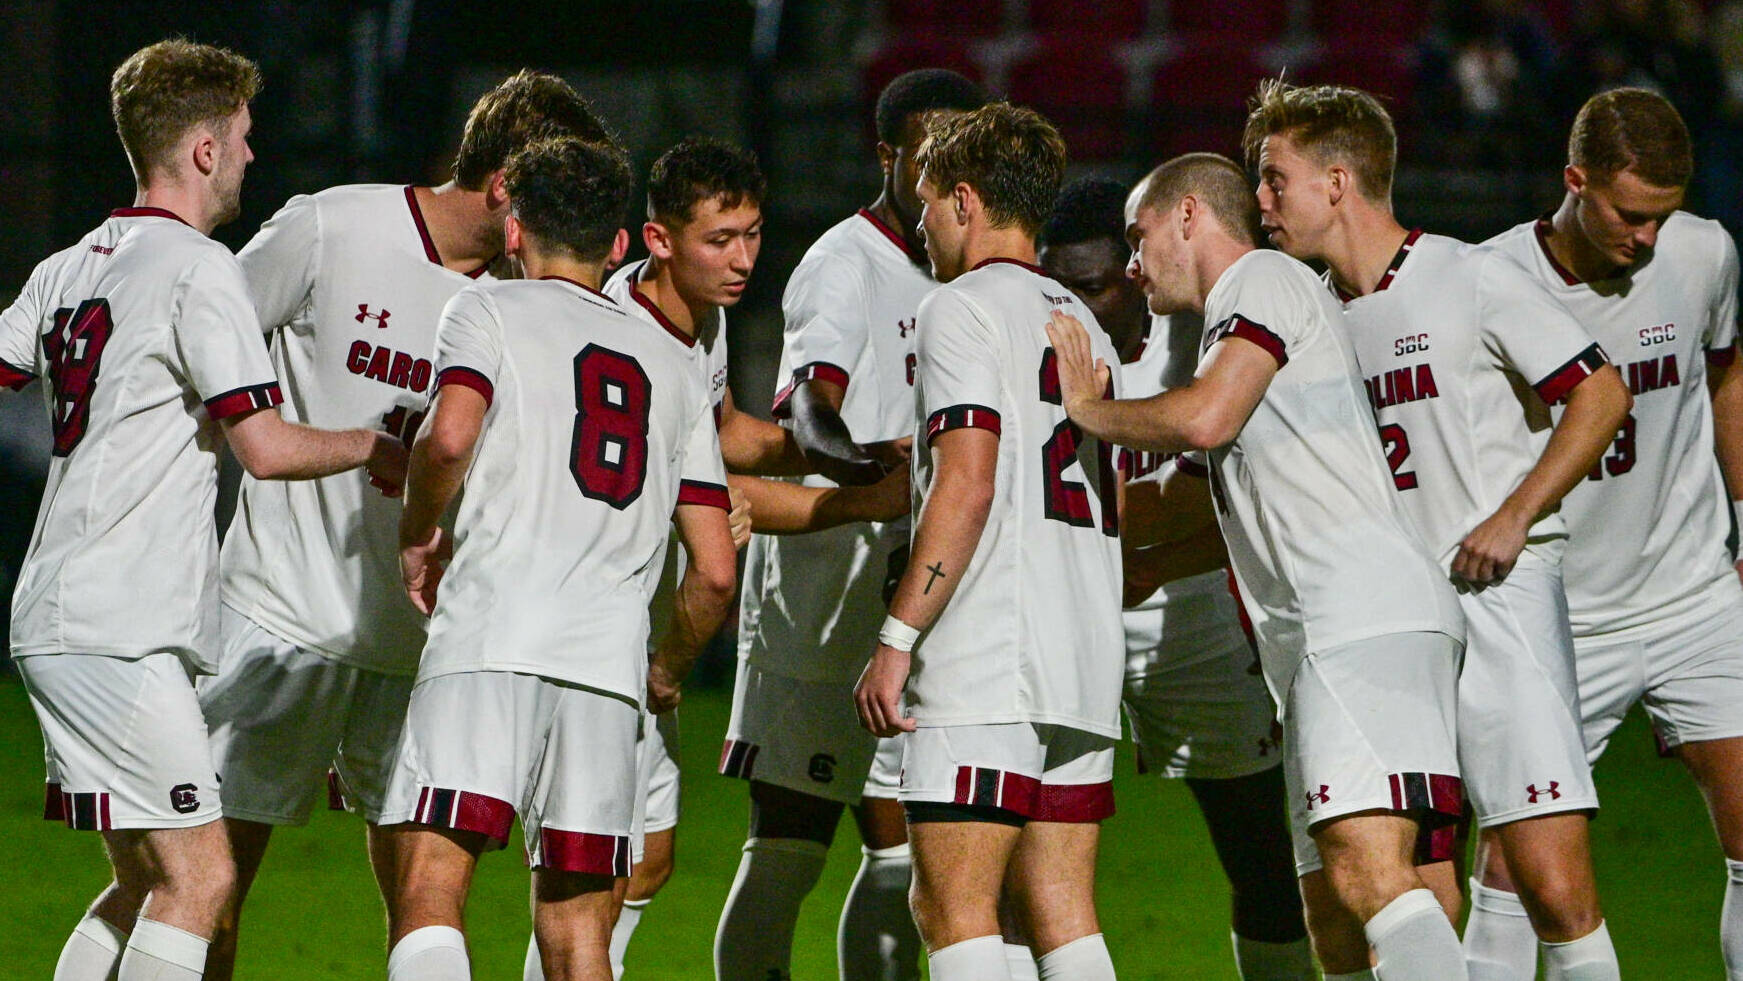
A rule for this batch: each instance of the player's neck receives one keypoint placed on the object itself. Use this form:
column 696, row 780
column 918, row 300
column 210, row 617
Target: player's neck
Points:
column 1569, row 247
column 186, row 203
column 1362, row 248
column 984, row 243
column 656, row 283
column 884, row 210
column 464, row 232
column 588, row 274
column 1210, row 262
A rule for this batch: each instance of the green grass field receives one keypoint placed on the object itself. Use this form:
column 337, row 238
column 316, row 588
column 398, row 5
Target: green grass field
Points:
column 314, row 913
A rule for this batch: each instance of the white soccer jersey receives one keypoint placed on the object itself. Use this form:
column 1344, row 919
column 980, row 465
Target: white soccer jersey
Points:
column 1167, row 360
column 1462, row 354
column 597, row 429
column 144, row 336
column 1648, row 527
column 349, row 285
column 1033, row 631
column 1320, row 544
column 850, row 310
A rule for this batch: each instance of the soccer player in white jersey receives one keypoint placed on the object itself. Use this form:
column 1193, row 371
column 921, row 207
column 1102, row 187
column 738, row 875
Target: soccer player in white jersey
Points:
column 1449, row 337
column 1359, row 630
column 1004, row 629
column 567, row 421
column 1656, row 606
column 814, row 602
column 320, row 647
column 703, row 234
column 1195, row 702
column 151, row 356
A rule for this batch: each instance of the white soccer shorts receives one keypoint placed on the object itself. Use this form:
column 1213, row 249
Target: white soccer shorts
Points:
column 658, row 778
column 482, row 746
column 1370, row 726
column 1687, row 671
column 1520, row 750
column 1037, row 772
column 805, row 736
column 124, row 741
column 1195, row 700
column 279, row 715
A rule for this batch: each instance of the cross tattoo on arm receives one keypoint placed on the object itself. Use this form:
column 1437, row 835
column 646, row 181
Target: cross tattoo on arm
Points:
column 937, row 569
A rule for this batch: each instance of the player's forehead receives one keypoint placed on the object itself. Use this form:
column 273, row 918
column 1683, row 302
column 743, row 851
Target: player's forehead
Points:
column 1627, row 191
column 1090, row 261
column 1280, row 152
column 714, row 215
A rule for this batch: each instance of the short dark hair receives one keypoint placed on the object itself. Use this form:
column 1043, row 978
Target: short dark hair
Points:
column 163, row 90
column 526, row 106
column 922, row 91
column 1327, row 122
column 570, row 194
column 1012, row 157
column 1631, row 129
column 1214, row 180
column 1087, row 209
column 698, row 169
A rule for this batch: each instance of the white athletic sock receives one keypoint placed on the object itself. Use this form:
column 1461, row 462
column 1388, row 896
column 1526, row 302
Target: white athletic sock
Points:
column 1731, row 921
column 534, row 967
column 754, row 940
column 627, row 920
column 1500, row 944
column 1413, row 941
column 876, row 940
column 1083, row 959
column 1256, row 960
column 1367, row 975
column 980, row 959
column 432, row 953
column 1590, row 958
column 1020, row 961
column 92, row 952
column 159, row 952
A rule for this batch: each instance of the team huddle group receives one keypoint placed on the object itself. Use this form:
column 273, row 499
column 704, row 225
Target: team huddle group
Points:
column 1362, row 554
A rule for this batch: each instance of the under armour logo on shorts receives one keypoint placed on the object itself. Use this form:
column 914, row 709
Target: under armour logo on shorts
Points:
column 1553, row 793
column 379, row 318
column 1321, row 796
column 183, row 799
column 822, row 768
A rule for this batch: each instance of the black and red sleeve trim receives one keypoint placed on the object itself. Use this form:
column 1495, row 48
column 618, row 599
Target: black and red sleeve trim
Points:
column 467, row 378
column 704, row 493
column 1562, row 380
column 14, row 377
column 816, row 370
column 1718, row 357
column 1190, row 467
column 962, row 417
column 244, row 400
column 1256, row 333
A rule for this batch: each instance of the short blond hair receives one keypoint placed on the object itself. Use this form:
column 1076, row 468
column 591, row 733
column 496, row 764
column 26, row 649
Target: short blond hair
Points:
column 163, row 90
column 1329, row 123
column 1632, row 129
column 1012, row 157
column 1216, row 182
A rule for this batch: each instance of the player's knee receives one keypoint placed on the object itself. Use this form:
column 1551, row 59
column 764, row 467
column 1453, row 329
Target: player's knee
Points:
column 1560, row 910
column 651, row 875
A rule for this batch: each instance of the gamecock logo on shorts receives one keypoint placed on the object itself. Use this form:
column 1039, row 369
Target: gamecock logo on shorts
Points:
column 183, row 798
column 822, row 768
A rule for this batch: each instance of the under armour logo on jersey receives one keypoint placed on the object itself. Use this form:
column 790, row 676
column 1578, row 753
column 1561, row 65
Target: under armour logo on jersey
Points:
column 822, row 768
column 1320, row 796
column 1551, row 790
column 906, row 327
column 379, row 318
column 183, row 799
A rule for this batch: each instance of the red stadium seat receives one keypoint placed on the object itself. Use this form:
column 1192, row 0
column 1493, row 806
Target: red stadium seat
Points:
column 1122, row 19
column 1252, row 20
column 1075, row 81
column 1384, row 70
column 1364, row 21
column 905, row 54
column 961, row 17
column 1198, row 96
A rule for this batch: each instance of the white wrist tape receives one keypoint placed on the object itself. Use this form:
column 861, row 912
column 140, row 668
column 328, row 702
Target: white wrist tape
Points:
column 899, row 635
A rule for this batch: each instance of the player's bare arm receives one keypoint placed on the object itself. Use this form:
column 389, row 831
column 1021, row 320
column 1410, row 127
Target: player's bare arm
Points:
column 1171, row 509
column 1595, row 409
column 701, row 603
column 792, row 509
column 823, row 436
column 756, row 446
column 945, row 537
column 1208, row 413
column 439, row 458
column 1725, row 383
column 1149, row 569
column 270, row 448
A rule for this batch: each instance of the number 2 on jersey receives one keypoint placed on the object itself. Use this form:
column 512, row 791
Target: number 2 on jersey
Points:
column 75, row 349
column 609, row 451
column 1068, row 500
column 1397, row 447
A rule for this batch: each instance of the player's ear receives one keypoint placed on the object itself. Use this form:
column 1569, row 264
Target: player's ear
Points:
column 495, row 190
column 658, row 239
column 966, row 202
column 202, row 148
column 511, row 236
column 886, row 158
column 1338, row 182
column 1574, row 179
column 619, row 249
column 1188, row 211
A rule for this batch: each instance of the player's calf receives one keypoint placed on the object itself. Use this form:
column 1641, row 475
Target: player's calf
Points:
column 960, row 856
column 572, row 922
column 432, row 880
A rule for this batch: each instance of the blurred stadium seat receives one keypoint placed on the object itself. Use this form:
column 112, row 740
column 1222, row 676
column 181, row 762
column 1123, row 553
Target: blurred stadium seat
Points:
column 1112, row 19
column 970, row 18
column 1253, row 20
column 1077, row 81
column 1198, row 95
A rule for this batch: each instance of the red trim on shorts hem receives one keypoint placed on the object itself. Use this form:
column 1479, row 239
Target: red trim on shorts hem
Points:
column 53, row 806
column 463, row 810
column 335, row 791
column 982, row 786
column 1074, row 803
column 584, row 852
